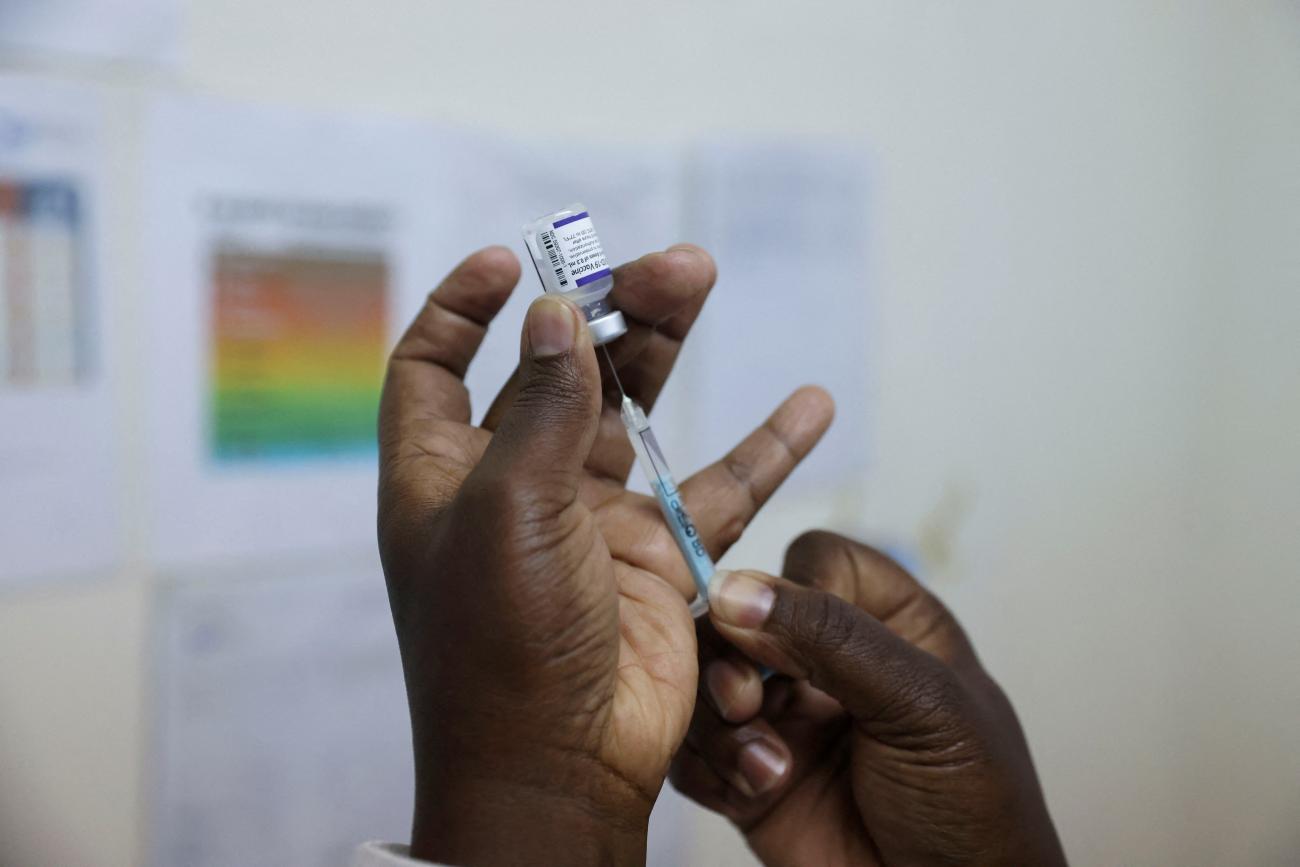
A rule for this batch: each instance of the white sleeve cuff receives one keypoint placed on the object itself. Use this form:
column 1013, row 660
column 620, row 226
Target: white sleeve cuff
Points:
column 376, row 854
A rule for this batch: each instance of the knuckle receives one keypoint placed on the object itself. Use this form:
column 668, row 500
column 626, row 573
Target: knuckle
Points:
column 839, row 564
column 707, row 265
column 740, row 467
column 813, row 545
column 820, row 558
column 659, row 269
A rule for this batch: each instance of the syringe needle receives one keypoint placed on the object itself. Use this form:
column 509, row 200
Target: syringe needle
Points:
column 608, row 358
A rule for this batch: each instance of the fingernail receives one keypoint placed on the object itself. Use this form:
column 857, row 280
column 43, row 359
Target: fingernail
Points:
column 718, row 678
column 761, row 768
column 551, row 327
column 739, row 600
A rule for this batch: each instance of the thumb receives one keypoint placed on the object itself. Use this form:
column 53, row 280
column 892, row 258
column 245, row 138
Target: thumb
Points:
column 842, row 650
column 549, row 428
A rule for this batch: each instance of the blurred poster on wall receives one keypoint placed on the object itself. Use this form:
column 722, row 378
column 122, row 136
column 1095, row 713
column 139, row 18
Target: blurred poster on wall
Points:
column 143, row 30
column 281, row 732
column 298, row 342
column 58, row 512
column 44, row 323
column 280, row 246
column 787, row 224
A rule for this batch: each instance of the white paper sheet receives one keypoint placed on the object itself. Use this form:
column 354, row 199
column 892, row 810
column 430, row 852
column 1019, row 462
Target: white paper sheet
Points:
column 145, row 30
column 237, row 201
column 787, row 224
column 281, row 734
column 274, row 240
column 58, row 514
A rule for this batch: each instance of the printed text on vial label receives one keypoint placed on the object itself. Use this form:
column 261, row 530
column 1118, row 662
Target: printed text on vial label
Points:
column 581, row 248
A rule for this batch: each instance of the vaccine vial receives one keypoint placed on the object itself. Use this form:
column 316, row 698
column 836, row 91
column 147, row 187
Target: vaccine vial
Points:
column 567, row 254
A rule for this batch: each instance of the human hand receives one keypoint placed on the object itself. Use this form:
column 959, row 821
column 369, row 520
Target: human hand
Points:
column 541, row 608
column 891, row 745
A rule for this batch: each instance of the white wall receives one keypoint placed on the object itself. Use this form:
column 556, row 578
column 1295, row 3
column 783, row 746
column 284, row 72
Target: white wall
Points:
column 1085, row 361
column 1241, row 664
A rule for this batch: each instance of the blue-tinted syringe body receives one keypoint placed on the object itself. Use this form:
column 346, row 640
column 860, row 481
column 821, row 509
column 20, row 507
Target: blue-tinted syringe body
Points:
column 685, row 534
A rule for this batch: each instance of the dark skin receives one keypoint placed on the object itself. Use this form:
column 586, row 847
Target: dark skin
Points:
column 885, row 741
column 541, row 610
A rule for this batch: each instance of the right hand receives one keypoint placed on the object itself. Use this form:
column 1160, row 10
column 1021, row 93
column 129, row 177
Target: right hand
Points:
column 540, row 606
column 887, row 742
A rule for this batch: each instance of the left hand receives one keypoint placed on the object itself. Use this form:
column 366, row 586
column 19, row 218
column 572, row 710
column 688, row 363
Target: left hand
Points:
column 885, row 743
column 541, row 608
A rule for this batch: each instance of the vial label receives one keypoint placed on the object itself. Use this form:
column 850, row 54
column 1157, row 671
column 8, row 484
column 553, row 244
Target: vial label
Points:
column 575, row 252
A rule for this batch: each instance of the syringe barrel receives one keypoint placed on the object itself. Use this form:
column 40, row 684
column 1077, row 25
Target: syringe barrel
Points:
column 679, row 521
column 685, row 533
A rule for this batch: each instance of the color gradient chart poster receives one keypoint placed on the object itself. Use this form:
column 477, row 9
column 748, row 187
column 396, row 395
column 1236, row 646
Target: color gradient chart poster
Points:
column 297, row 353
column 283, row 247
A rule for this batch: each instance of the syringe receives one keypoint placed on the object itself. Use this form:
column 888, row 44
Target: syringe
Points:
column 687, row 537
column 651, row 458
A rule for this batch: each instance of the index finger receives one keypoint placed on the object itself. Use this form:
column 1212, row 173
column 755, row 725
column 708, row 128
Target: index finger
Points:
column 874, row 582
column 661, row 295
column 725, row 496
column 427, row 366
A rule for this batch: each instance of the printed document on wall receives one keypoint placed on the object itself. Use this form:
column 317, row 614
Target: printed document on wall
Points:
column 58, row 513
column 787, row 224
column 281, row 729
column 280, row 246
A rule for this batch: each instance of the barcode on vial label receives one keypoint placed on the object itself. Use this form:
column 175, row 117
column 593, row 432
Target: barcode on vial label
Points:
column 548, row 241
